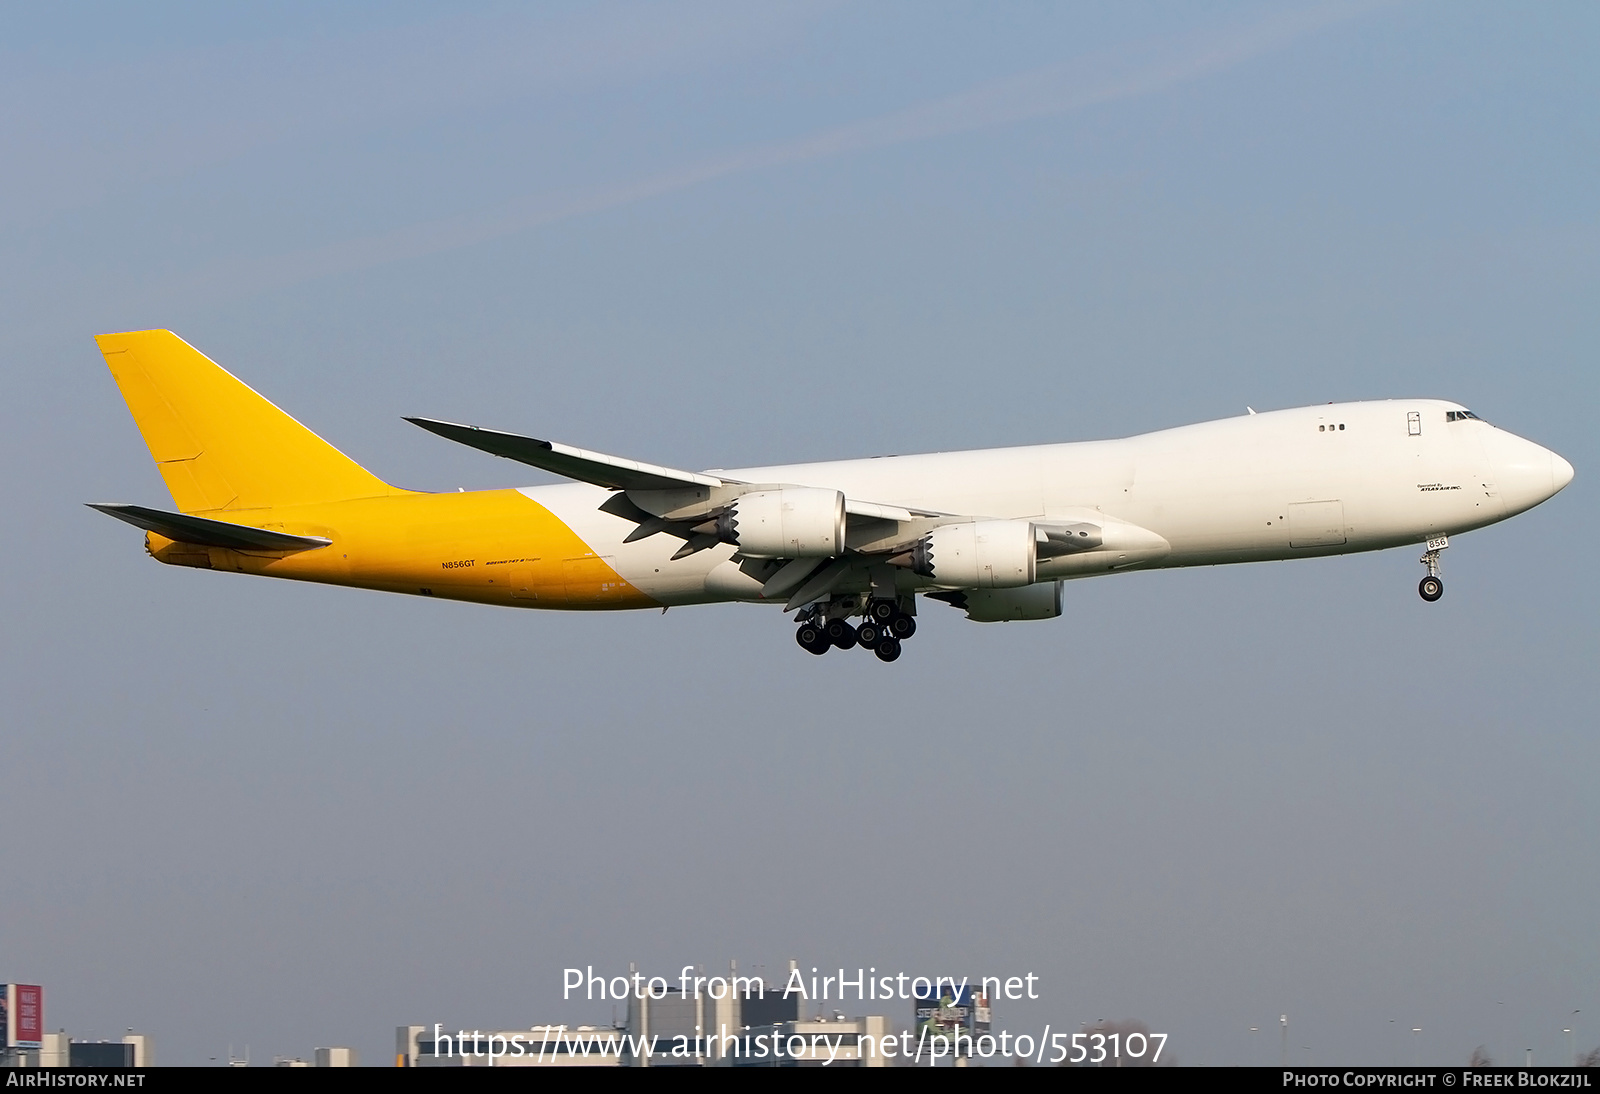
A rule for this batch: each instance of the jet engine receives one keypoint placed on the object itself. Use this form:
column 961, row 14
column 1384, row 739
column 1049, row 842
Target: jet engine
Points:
column 978, row 554
column 795, row 522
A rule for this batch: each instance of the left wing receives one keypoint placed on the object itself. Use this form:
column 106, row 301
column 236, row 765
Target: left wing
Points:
column 633, row 477
column 611, row 472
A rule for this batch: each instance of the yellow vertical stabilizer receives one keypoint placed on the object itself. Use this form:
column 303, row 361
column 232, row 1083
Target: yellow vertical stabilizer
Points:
column 217, row 443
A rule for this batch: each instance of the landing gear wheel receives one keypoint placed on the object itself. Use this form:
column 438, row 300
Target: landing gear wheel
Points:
column 1431, row 589
column 902, row 627
column 841, row 634
column 811, row 638
column 881, row 611
column 869, row 634
column 888, row 648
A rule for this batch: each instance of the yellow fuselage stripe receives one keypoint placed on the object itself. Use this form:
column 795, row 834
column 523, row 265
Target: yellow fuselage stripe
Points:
column 487, row 546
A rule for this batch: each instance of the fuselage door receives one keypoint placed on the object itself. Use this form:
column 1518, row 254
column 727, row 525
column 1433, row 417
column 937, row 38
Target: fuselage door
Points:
column 1316, row 523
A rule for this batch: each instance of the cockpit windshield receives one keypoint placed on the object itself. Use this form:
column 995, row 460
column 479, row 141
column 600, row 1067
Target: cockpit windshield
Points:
column 1461, row 416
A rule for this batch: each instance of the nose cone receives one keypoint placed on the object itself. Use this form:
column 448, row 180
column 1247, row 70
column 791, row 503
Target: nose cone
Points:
column 1527, row 473
column 1560, row 473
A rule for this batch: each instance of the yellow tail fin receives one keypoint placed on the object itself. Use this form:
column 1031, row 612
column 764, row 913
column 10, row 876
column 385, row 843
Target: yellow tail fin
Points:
column 218, row 444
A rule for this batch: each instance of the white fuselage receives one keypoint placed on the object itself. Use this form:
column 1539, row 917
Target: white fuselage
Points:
column 1318, row 480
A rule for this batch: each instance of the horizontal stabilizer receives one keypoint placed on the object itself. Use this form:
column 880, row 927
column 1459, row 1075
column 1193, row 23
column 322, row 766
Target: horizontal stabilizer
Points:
column 611, row 472
column 210, row 533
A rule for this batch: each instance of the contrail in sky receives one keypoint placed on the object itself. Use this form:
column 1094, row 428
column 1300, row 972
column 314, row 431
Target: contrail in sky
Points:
column 1040, row 93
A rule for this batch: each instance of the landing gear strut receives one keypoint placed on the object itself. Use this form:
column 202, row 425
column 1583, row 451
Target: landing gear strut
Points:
column 1431, row 587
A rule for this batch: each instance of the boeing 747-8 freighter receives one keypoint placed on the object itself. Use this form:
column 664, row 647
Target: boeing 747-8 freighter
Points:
column 992, row 532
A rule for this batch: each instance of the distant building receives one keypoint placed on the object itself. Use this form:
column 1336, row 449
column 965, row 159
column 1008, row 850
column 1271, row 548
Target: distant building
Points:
column 132, row 1051
column 60, row 1050
column 24, row 1043
column 812, row 1042
column 56, row 1050
column 536, row 1046
column 690, row 1030
column 733, row 1023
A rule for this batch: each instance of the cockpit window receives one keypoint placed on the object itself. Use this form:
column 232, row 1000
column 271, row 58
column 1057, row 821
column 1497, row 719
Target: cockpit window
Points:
column 1461, row 416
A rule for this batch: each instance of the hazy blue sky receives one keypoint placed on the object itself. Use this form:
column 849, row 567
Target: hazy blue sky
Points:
column 244, row 811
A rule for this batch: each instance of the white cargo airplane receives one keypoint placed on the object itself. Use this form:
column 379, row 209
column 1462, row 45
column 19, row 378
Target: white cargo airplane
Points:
column 993, row 532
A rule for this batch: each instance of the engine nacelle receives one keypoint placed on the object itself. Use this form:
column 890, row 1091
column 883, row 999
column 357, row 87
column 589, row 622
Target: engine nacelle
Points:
column 802, row 522
column 978, row 554
column 1041, row 601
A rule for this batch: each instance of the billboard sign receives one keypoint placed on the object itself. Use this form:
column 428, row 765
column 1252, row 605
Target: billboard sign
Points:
column 954, row 1008
column 22, row 1016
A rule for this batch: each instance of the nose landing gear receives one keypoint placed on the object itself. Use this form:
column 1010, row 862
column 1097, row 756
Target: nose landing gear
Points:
column 1431, row 587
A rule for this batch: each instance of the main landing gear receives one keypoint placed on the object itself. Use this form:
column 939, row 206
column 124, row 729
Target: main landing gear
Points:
column 1431, row 587
column 886, row 624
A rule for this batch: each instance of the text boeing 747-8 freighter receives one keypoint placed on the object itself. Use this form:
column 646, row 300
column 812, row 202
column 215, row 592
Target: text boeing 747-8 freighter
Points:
column 993, row 532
